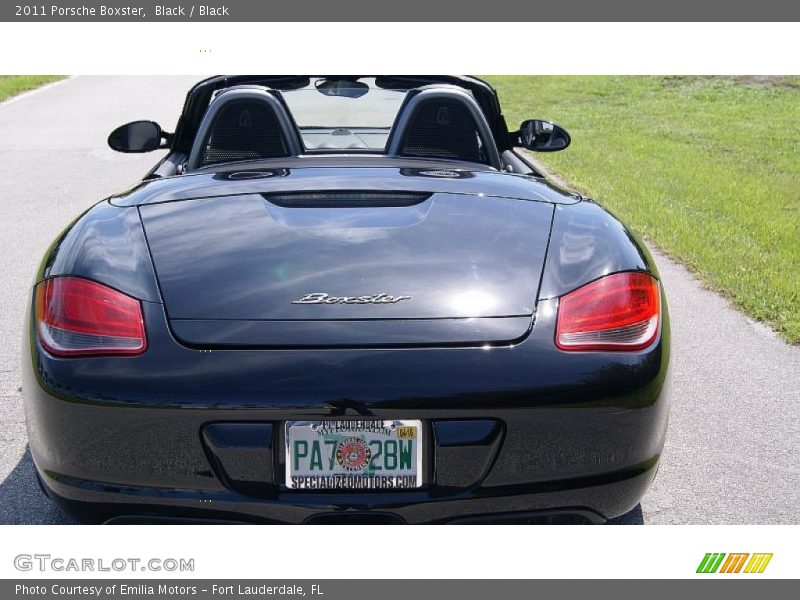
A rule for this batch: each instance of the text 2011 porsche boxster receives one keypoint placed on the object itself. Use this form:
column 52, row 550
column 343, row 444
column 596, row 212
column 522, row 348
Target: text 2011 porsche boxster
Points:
column 345, row 298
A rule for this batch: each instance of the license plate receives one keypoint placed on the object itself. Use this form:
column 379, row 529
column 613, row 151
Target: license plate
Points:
column 353, row 455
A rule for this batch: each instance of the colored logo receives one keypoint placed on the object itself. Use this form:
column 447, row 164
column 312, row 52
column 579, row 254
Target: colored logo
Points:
column 353, row 454
column 734, row 563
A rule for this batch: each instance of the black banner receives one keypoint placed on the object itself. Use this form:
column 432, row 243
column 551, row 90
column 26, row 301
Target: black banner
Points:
column 396, row 589
column 409, row 10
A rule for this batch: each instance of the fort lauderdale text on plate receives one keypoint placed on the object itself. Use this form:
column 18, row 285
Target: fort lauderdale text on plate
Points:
column 187, row 11
column 143, row 589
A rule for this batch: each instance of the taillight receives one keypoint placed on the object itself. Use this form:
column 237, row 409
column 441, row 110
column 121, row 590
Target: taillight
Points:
column 616, row 312
column 78, row 317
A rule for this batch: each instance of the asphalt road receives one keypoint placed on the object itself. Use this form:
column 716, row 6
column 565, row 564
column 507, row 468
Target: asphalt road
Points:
column 733, row 448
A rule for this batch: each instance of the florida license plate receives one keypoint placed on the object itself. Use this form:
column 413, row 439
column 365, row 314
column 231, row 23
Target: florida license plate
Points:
column 353, row 454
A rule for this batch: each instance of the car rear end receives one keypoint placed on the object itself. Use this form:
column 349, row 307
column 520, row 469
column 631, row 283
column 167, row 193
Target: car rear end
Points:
column 359, row 356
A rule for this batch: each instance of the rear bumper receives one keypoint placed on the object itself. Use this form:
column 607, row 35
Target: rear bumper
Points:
column 591, row 500
column 133, row 438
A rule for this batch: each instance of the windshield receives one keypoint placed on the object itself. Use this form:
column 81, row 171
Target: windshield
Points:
column 342, row 114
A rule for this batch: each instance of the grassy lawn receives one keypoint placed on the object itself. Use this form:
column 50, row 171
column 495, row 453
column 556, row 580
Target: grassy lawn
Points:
column 706, row 168
column 11, row 85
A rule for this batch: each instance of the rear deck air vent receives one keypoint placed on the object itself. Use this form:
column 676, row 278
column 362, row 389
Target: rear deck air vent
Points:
column 441, row 173
column 254, row 174
column 341, row 199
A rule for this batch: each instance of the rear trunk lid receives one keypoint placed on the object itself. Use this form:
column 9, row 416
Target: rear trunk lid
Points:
column 338, row 269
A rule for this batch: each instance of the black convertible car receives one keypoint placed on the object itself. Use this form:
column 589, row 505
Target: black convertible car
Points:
column 345, row 298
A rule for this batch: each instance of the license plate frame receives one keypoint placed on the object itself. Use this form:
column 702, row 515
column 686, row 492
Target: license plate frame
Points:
column 339, row 473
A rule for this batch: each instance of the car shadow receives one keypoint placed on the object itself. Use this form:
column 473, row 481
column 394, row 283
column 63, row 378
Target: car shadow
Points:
column 22, row 501
column 634, row 517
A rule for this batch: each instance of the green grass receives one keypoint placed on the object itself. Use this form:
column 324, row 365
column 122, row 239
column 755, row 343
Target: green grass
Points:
column 707, row 168
column 11, row 85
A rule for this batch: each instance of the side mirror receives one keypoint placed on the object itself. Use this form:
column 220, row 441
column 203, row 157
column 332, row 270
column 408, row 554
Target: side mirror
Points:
column 138, row 136
column 542, row 136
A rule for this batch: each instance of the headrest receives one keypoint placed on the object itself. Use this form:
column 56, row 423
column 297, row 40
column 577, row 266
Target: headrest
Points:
column 443, row 122
column 244, row 123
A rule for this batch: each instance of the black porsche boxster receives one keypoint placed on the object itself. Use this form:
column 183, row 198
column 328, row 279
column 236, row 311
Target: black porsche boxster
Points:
column 345, row 299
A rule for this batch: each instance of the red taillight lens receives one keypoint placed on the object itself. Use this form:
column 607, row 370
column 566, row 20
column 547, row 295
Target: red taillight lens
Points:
column 616, row 312
column 78, row 317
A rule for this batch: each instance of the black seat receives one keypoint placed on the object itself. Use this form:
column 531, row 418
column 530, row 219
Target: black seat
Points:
column 444, row 128
column 244, row 129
